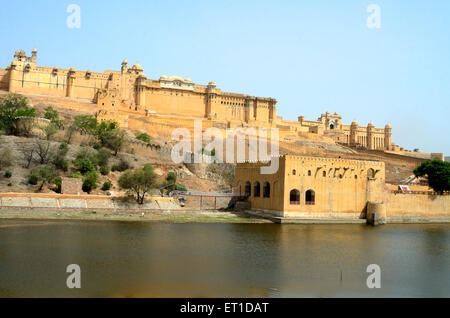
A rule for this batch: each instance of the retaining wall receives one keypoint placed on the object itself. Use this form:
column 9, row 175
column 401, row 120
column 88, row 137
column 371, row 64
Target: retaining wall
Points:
column 54, row 201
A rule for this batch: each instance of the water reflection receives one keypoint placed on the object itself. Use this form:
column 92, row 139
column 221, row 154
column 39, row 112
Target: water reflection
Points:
column 222, row 260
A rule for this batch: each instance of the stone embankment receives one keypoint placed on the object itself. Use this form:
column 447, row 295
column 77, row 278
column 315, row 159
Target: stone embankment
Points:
column 61, row 202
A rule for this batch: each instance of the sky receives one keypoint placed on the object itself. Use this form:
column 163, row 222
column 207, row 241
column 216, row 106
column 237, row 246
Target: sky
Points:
column 312, row 56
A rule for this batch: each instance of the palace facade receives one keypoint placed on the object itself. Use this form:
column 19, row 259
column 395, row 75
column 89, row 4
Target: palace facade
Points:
column 128, row 97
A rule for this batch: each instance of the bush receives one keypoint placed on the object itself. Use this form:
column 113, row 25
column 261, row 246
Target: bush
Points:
column 33, row 178
column 8, row 174
column 84, row 165
column 61, row 164
column 6, row 158
column 103, row 157
column 58, row 183
column 97, row 146
column 106, row 186
column 88, row 153
column 122, row 166
column 90, row 181
column 171, row 177
column 143, row 137
column 104, row 170
column 76, row 175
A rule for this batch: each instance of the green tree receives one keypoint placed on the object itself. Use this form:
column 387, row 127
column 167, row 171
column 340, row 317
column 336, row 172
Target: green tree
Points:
column 13, row 106
column 84, row 165
column 87, row 123
column 139, row 182
column 438, row 174
column 44, row 174
column 90, row 181
column 115, row 140
column 51, row 114
column 104, row 129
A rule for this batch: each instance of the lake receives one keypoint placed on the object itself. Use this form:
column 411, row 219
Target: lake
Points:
column 134, row 259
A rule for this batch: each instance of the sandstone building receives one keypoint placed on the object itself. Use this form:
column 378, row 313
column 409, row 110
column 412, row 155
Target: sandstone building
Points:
column 312, row 186
column 135, row 101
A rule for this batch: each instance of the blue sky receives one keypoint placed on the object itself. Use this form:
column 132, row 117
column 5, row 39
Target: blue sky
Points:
column 312, row 56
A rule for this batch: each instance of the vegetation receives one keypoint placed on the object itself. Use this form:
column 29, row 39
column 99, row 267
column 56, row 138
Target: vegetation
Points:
column 106, row 186
column 143, row 137
column 44, row 174
column 6, row 158
column 13, row 106
column 438, row 174
column 139, row 182
column 90, row 181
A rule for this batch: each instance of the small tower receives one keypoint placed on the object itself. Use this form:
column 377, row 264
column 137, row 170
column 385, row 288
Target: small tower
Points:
column 33, row 56
column 124, row 68
column 211, row 94
column 354, row 133
column 388, row 137
column 370, row 131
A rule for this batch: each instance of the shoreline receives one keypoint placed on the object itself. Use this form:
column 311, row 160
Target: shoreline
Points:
column 193, row 216
column 159, row 216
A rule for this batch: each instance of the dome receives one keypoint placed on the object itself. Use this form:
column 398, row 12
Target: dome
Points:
column 388, row 126
column 354, row 123
column 211, row 83
column 124, row 62
column 34, row 51
column 163, row 77
column 138, row 67
column 187, row 79
column 19, row 53
column 371, row 124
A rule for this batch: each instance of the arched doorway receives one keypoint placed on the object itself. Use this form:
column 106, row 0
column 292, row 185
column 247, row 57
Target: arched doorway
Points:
column 266, row 190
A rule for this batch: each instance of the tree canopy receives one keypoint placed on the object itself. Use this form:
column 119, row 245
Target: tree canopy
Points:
column 13, row 106
column 438, row 174
column 139, row 182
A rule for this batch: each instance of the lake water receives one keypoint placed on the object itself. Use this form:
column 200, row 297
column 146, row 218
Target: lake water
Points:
column 122, row 259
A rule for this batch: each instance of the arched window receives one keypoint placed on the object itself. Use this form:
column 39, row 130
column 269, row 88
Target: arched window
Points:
column 257, row 190
column 310, row 197
column 266, row 190
column 324, row 174
column 294, row 172
column 295, row 197
column 248, row 189
column 370, row 173
column 309, row 173
column 356, row 176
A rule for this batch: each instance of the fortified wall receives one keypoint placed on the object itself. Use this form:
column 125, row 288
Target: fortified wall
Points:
column 136, row 102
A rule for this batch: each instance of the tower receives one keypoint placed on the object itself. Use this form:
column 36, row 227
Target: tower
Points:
column 387, row 137
column 33, row 56
column 210, row 99
column 354, row 133
column 370, row 130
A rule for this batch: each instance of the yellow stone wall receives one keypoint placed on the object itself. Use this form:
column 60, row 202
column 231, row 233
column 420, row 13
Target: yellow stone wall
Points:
column 345, row 188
